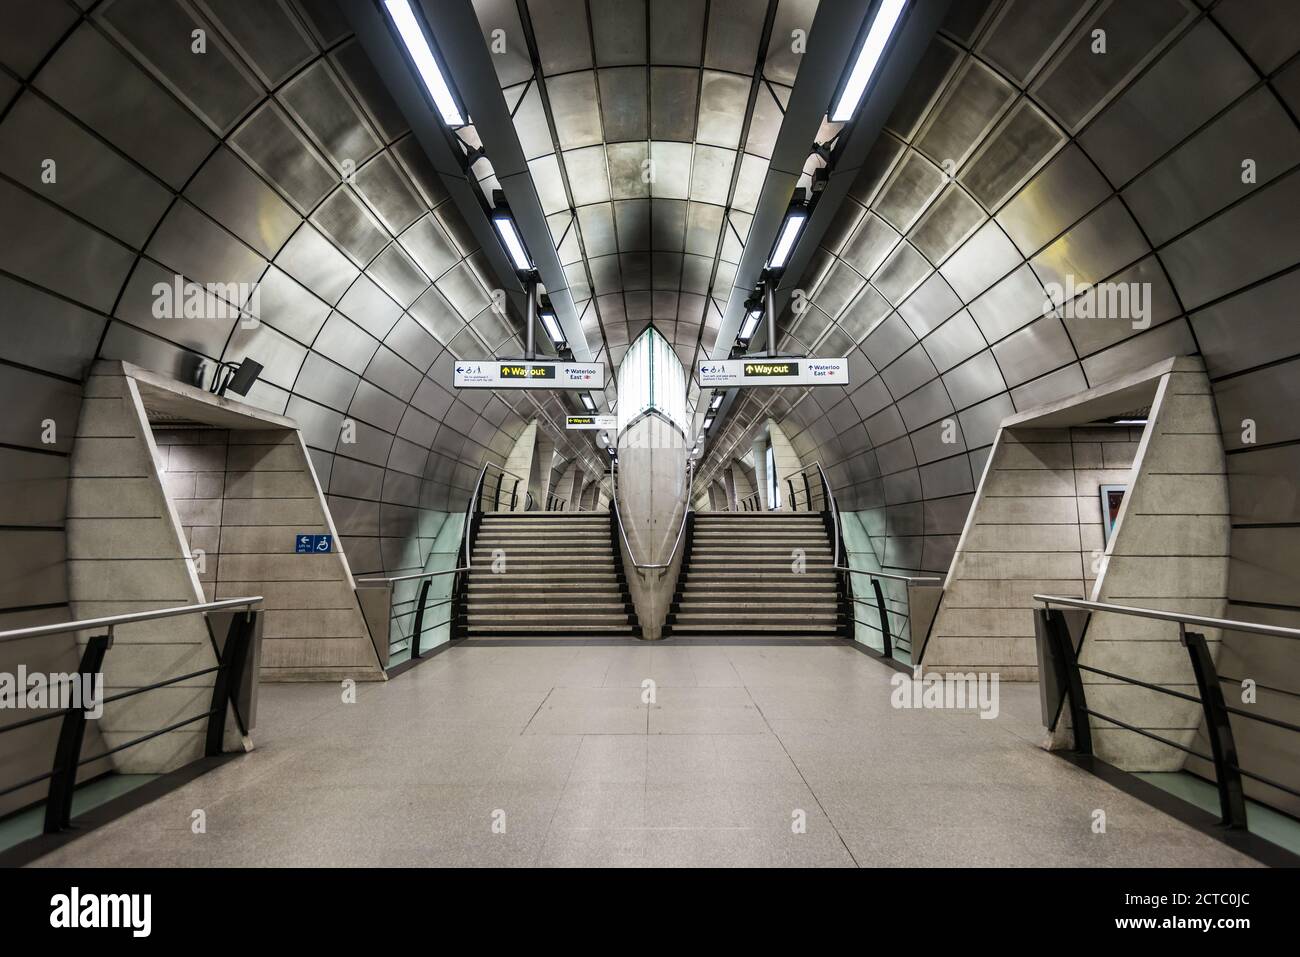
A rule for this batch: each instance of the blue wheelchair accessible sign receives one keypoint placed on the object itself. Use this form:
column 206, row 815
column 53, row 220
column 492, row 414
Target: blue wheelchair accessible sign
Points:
column 306, row 544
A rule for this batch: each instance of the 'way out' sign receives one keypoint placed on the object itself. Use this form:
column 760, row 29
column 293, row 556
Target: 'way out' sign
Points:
column 591, row 422
column 496, row 374
column 797, row 370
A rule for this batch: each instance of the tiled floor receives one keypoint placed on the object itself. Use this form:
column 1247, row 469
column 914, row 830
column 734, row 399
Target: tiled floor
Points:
column 551, row 755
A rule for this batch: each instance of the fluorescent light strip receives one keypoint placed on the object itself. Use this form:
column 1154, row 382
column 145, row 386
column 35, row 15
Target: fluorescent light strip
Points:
column 551, row 325
column 426, row 64
column 868, row 59
column 717, row 401
column 750, row 324
column 587, row 401
column 789, row 234
column 509, row 234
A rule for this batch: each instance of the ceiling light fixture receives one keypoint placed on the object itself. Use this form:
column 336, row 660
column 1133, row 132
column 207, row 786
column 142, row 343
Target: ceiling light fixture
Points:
column 551, row 324
column 420, row 49
column 867, row 59
column 795, row 218
column 504, row 223
column 750, row 325
column 587, row 401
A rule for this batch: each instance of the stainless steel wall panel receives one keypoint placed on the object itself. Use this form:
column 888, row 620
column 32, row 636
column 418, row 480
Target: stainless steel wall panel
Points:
column 28, row 29
column 215, row 85
column 316, row 263
column 46, row 246
column 1197, row 78
column 1266, row 29
column 974, row 380
column 346, row 343
column 964, row 114
column 317, row 99
column 1268, row 397
column 394, row 375
column 1078, row 83
column 84, row 66
column 1177, row 193
column 983, row 259
column 93, row 181
column 1171, row 339
column 930, row 305
column 1254, row 239
column 1268, row 310
column 45, row 332
column 954, row 342
column 271, row 144
column 369, row 307
column 267, row 35
column 31, row 401
column 947, row 223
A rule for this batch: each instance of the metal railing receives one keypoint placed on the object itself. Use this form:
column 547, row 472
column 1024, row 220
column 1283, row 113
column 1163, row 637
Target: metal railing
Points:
column 556, row 504
column 888, row 638
column 1059, row 655
column 663, row 566
column 750, row 503
column 232, row 658
column 401, row 608
column 805, row 489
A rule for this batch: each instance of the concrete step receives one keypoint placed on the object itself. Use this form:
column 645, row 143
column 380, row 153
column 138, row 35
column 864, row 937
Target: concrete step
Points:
column 526, row 617
column 524, row 537
column 770, row 630
column 693, row 605
column 597, row 628
column 576, row 598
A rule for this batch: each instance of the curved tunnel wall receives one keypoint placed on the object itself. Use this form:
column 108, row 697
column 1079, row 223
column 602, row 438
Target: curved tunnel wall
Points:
column 274, row 158
column 1018, row 158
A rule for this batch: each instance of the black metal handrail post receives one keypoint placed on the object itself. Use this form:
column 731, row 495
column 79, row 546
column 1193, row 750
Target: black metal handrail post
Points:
column 418, row 627
column 67, row 754
column 514, row 495
column 1232, row 799
column 888, row 648
column 1065, row 661
column 496, row 501
column 230, row 674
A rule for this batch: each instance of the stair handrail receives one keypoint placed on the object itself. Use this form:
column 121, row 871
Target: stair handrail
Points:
column 618, row 516
column 475, row 505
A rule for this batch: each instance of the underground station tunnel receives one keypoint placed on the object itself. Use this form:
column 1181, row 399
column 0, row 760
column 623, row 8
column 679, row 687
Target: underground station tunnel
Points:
column 651, row 433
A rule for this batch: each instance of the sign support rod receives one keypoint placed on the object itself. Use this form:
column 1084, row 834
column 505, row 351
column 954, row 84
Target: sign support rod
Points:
column 769, row 306
column 530, row 352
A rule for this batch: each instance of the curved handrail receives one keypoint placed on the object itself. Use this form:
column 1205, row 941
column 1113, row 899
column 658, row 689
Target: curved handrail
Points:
column 1225, row 624
column 473, row 503
column 112, row 621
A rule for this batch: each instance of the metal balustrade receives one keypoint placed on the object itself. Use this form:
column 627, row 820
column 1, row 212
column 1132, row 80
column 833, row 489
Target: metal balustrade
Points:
column 1063, row 672
column 232, row 660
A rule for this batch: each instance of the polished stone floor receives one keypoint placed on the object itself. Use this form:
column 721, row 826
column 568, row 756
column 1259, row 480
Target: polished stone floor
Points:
column 548, row 755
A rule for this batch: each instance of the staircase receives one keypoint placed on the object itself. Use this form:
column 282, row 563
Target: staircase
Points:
column 738, row 578
column 561, row 578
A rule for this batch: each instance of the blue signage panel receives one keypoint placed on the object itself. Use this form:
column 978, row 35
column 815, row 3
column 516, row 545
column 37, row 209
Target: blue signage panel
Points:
column 304, row 544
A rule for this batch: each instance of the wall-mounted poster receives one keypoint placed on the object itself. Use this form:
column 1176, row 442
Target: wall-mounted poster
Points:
column 1112, row 497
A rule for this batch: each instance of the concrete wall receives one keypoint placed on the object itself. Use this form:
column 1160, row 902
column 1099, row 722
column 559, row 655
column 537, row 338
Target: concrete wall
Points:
column 126, row 553
column 313, row 629
column 653, row 494
column 518, row 463
column 786, row 461
column 1169, row 550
